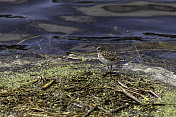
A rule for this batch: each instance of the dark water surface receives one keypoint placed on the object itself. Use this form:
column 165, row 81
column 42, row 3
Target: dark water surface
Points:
column 59, row 26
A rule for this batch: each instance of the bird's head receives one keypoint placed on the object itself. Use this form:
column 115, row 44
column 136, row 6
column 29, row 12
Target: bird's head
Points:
column 100, row 49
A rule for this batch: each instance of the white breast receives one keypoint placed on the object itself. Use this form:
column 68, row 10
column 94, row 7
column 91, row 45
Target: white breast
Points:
column 105, row 61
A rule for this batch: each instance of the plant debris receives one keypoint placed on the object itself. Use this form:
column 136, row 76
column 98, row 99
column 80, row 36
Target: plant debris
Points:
column 83, row 93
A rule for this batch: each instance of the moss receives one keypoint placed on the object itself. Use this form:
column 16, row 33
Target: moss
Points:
column 77, row 88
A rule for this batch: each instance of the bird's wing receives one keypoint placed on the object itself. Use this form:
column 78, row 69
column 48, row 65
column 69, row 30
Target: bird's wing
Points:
column 112, row 56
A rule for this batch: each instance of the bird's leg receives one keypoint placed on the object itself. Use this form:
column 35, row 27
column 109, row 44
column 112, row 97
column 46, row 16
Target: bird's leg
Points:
column 107, row 72
column 110, row 68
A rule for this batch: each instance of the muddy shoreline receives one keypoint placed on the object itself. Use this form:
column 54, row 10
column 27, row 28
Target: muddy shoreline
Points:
column 69, row 86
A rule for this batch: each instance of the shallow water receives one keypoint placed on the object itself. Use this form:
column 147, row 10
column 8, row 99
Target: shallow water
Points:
column 60, row 26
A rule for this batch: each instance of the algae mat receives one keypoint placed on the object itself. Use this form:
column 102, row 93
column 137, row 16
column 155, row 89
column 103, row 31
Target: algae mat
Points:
column 56, row 88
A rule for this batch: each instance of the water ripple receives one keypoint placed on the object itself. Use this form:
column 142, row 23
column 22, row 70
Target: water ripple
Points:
column 137, row 8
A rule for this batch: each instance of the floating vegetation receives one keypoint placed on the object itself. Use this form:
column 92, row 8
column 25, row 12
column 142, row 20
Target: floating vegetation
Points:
column 161, row 35
column 11, row 16
column 69, row 90
column 109, row 38
column 18, row 47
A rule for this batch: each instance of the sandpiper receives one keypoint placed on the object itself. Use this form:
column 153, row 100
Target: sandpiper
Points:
column 108, row 58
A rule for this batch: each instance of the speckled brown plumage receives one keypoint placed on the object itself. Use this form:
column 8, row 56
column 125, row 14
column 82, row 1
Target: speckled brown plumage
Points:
column 108, row 58
column 112, row 56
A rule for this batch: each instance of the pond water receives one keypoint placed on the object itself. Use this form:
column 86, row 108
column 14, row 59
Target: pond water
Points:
column 60, row 26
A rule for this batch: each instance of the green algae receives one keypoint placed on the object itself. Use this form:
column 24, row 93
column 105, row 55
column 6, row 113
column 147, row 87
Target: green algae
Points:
column 78, row 87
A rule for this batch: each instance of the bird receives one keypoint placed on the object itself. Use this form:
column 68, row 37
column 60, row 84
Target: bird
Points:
column 107, row 57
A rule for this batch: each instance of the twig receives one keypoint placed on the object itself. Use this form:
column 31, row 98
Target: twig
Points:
column 154, row 94
column 158, row 104
column 28, row 39
column 123, row 85
column 138, row 52
column 165, row 53
column 130, row 102
column 90, row 111
column 120, row 108
column 33, row 81
column 48, row 84
column 130, row 95
column 138, row 93
column 108, row 112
